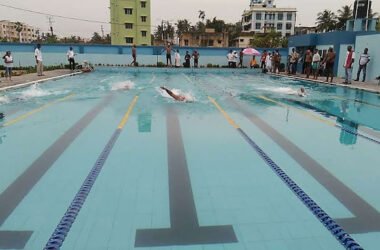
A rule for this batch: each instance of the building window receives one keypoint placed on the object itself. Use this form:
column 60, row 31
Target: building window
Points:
column 143, row 33
column 186, row 42
column 279, row 26
column 129, row 26
column 289, row 16
column 143, row 4
column 288, row 26
column 128, row 11
column 143, row 19
column 241, row 40
column 287, row 34
column 280, row 16
column 220, row 41
column 210, row 43
column 258, row 16
column 129, row 40
column 258, row 26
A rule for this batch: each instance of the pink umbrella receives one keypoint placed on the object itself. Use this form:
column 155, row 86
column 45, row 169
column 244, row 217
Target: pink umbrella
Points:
column 251, row 51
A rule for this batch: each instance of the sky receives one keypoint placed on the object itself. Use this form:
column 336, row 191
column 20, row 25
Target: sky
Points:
column 172, row 10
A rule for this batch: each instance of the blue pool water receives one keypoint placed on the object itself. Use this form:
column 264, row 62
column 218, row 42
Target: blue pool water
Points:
column 247, row 165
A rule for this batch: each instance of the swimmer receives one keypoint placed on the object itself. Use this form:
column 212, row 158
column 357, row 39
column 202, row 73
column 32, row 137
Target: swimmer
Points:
column 180, row 98
column 2, row 116
column 302, row 92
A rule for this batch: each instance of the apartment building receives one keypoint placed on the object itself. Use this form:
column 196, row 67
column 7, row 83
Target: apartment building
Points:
column 130, row 22
column 264, row 16
column 9, row 32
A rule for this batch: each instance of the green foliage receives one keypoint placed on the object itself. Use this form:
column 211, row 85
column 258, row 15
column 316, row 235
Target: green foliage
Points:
column 269, row 40
column 51, row 39
column 344, row 14
column 165, row 31
column 98, row 39
column 160, row 64
column 326, row 21
column 378, row 25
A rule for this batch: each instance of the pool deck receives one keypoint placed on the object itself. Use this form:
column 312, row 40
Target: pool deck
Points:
column 27, row 79
column 24, row 80
column 372, row 86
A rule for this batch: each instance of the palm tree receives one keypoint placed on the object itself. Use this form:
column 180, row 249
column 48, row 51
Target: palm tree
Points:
column 344, row 14
column 202, row 15
column 19, row 28
column 372, row 14
column 326, row 21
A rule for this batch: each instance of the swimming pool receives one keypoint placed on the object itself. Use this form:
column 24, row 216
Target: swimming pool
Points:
column 247, row 165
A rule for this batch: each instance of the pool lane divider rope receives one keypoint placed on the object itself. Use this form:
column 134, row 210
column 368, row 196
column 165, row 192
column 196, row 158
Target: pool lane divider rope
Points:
column 337, row 231
column 59, row 235
column 34, row 111
column 330, row 123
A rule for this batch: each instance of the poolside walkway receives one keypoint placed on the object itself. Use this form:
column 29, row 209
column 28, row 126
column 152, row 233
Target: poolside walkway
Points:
column 372, row 86
column 23, row 79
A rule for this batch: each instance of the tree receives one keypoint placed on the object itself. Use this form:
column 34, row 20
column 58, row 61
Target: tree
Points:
column 372, row 14
column 326, row 21
column 217, row 24
column 164, row 32
column 272, row 39
column 19, row 28
column 202, row 15
column 96, row 38
column 234, row 31
column 378, row 26
column 183, row 26
column 51, row 38
column 344, row 14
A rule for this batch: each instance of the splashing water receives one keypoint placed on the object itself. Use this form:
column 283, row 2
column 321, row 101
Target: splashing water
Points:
column 188, row 95
column 35, row 91
column 4, row 99
column 127, row 85
column 281, row 90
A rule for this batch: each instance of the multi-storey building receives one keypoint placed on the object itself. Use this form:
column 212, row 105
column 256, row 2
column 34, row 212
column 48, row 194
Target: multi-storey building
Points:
column 263, row 16
column 130, row 22
column 20, row 32
column 209, row 38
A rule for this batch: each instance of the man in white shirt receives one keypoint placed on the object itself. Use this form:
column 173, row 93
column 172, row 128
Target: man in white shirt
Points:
column 348, row 62
column 230, row 58
column 38, row 56
column 70, row 57
column 8, row 63
column 363, row 61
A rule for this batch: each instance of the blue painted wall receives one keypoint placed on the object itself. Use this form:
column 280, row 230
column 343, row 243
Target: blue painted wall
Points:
column 340, row 40
column 55, row 54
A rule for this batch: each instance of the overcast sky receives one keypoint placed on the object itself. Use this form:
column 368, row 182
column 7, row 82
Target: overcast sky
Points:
column 229, row 10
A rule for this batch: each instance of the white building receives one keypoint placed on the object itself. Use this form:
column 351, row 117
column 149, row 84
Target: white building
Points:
column 8, row 31
column 264, row 16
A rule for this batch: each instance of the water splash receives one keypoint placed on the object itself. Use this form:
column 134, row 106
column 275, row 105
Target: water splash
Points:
column 188, row 95
column 127, row 85
column 4, row 100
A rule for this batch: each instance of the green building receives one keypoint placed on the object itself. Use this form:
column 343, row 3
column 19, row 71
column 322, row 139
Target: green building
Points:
column 130, row 22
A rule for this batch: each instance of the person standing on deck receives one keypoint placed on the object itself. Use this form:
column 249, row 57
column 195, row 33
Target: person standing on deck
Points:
column 348, row 62
column 308, row 61
column 363, row 61
column 177, row 59
column 186, row 64
column 168, row 55
column 241, row 57
column 196, row 56
column 8, row 64
column 294, row 56
column 263, row 59
column 134, row 55
column 70, row 57
column 316, row 64
column 330, row 61
column 38, row 57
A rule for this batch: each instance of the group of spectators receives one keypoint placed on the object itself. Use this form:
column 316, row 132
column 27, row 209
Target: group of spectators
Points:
column 316, row 65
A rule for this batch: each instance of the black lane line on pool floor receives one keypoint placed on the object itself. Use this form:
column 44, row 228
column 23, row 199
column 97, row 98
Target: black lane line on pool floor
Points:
column 63, row 228
column 367, row 217
column 185, row 229
column 17, row 191
column 336, row 230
